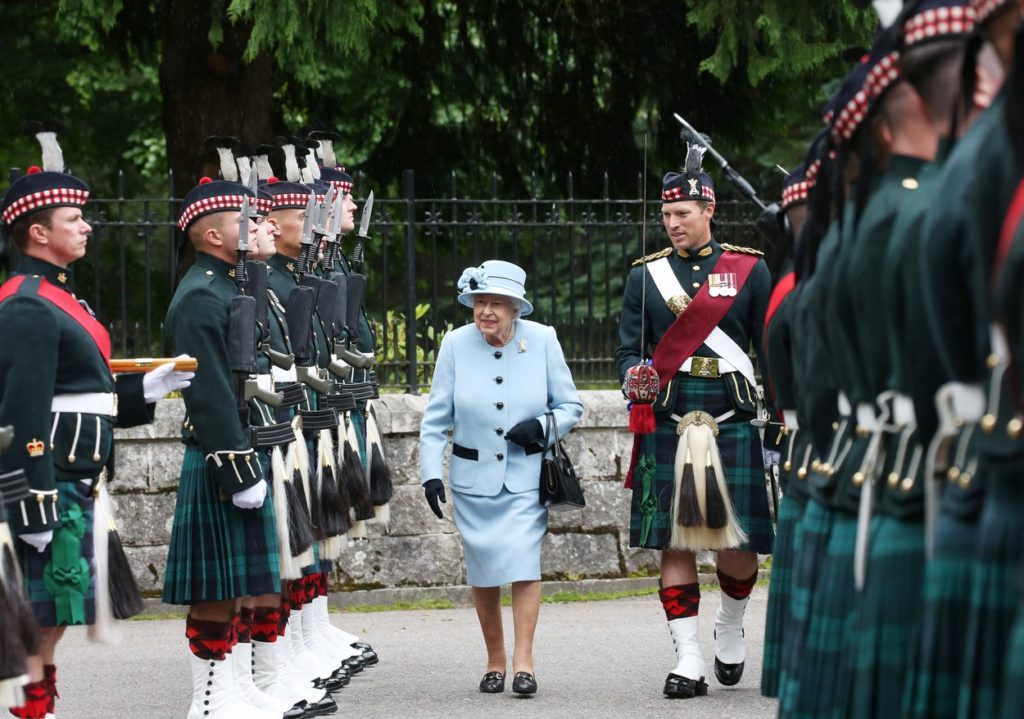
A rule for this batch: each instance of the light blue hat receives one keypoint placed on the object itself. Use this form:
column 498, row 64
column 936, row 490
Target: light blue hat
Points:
column 495, row 277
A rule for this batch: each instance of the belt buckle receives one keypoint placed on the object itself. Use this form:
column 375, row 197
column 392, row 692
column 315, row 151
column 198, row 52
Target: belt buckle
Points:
column 706, row 367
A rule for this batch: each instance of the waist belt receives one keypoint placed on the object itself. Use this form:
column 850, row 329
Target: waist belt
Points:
column 283, row 375
column 292, row 392
column 314, row 420
column 473, row 455
column 342, row 401
column 271, row 435
column 707, row 367
column 104, row 403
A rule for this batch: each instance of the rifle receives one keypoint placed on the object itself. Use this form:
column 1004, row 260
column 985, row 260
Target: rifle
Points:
column 300, row 305
column 242, row 326
column 356, row 294
column 769, row 222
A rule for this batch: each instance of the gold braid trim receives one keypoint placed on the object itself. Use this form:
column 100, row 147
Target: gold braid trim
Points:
column 653, row 256
column 745, row 250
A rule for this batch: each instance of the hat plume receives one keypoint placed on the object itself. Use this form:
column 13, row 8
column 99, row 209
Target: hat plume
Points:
column 694, row 158
column 53, row 156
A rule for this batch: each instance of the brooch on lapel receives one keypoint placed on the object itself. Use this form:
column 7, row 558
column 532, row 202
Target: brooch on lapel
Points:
column 521, row 345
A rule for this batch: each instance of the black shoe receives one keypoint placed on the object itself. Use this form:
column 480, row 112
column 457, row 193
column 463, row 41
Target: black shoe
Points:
column 728, row 674
column 677, row 687
column 296, row 712
column 343, row 675
column 524, row 684
column 369, row 656
column 324, row 706
column 354, row 665
column 492, row 683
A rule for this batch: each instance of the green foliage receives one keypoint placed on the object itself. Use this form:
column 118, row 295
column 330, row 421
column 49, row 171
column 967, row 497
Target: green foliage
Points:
column 765, row 39
column 395, row 341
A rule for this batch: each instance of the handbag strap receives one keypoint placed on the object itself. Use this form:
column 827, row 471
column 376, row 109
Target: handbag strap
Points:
column 550, row 422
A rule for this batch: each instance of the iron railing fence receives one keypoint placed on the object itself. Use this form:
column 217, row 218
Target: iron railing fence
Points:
column 576, row 252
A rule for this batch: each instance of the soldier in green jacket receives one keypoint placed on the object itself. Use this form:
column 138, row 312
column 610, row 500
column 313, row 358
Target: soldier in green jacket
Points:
column 698, row 478
column 59, row 394
column 223, row 541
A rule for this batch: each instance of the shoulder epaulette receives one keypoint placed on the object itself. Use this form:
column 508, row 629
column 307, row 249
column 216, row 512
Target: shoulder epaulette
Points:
column 745, row 250
column 654, row 256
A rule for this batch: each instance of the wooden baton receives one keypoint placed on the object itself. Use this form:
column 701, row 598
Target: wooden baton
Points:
column 148, row 364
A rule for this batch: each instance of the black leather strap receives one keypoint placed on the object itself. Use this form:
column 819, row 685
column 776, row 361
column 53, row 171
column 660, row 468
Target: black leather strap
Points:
column 314, row 420
column 465, row 452
column 272, row 435
column 343, row 401
column 292, row 391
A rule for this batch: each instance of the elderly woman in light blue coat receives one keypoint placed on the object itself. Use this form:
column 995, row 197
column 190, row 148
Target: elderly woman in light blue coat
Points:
column 494, row 382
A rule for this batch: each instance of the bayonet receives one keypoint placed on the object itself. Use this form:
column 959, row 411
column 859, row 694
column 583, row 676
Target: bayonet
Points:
column 364, row 217
column 307, row 234
column 243, row 244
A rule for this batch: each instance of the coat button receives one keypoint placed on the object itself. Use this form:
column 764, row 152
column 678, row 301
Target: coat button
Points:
column 499, row 456
column 497, row 354
column 500, row 405
column 499, row 431
column 696, row 285
column 499, row 380
column 696, row 268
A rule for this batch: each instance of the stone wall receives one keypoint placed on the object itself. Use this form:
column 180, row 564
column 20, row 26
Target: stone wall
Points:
column 417, row 549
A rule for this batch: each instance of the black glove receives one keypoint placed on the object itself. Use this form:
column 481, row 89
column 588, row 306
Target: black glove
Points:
column 434, row 489
column 527, row 432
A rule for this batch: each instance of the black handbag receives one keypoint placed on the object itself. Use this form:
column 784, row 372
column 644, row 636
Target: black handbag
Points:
column 559, row 486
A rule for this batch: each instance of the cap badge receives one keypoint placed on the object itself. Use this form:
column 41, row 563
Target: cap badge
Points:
column 694, row 190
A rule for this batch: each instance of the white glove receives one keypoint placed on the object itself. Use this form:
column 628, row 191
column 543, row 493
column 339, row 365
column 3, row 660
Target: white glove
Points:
column 39, row 540
column 771, row 457
column 163, row 380
column 251, row 498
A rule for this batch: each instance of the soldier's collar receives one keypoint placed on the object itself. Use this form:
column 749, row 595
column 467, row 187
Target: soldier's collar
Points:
column 282, row 262
column 214, row 266
column 54, row 274
column 705, row 251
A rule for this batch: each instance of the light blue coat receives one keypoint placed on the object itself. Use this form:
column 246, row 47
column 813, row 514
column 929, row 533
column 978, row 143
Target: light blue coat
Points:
column 483, row 391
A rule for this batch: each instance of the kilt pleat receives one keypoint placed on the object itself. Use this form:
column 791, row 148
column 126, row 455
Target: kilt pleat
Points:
column 780, row 593
column 993, row 595
column 73, row 498
column 810, row 544
column 825, row 655
column 888, row 617
column 217, row 551
column 933, row 683
column 1012, row 705
column 740, row 449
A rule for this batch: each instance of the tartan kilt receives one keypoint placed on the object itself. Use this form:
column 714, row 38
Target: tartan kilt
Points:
column 740, row 448
column 993, row 593
column 1012, row 705
column 217, row 551
column 780, row 592
column 889, row 617
column 75, row 511
column 810, row 544
column 824, row 665
column 933, row 683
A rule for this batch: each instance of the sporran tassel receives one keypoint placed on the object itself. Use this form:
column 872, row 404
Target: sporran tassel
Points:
column 288, row 567
column 716, row 511
column 355, row 478
column 335, row 504
column 689, row 514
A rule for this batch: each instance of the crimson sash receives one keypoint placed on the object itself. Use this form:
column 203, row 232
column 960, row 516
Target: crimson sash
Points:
column 781, row 291
column 70, row 306
column 699, row 318
column 1013, row 218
